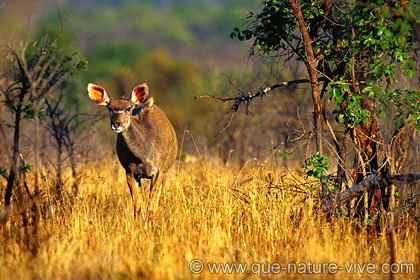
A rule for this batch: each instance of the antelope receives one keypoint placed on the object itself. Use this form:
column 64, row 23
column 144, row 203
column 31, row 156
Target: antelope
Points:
column 146, row 141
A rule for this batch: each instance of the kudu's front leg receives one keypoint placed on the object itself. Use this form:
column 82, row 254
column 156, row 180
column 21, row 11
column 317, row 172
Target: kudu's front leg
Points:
column 134, row 191
column 156, row 184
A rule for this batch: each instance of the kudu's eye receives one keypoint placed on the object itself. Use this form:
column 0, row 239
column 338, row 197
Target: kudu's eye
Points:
column 112, row 112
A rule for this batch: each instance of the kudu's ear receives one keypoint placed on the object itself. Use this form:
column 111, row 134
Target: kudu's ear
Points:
column 140, row 93
column 98, row 94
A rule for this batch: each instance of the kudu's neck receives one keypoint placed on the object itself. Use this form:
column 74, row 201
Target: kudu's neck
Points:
column 133, row 134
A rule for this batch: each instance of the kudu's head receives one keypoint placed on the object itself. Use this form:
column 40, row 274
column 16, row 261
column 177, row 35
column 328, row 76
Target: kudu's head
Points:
column 120, row 109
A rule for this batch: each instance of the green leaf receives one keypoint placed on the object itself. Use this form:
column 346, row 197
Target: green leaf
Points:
column 409, row 72
column 24, row 168
column 388, row 34
column 377, row 90
column 384, row 45
column 382, row 114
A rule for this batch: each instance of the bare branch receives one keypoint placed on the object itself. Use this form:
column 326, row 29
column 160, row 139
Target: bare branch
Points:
column 248, row 97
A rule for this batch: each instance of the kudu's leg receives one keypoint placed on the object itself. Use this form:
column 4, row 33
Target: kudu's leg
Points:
column 134, row 190
column 155, row 190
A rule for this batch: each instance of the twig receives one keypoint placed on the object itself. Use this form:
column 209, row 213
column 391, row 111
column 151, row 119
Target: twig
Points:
column 227, row 125
column 332, row 133
column 308, row 143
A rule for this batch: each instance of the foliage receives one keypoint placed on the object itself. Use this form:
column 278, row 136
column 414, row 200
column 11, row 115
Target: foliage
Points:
column 34, row 70
column 355, row 54
column 24, row 167
column 318, row 164
column 359, row 47
column 273, row 28
column 407, row 103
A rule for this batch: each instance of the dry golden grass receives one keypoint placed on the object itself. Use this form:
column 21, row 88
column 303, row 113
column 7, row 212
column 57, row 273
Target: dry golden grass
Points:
column 209, row 211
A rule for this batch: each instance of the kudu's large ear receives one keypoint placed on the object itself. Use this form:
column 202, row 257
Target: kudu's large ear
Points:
column 140, row 93
column 98, row 94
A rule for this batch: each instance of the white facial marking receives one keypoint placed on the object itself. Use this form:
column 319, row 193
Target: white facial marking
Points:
column 117, row 130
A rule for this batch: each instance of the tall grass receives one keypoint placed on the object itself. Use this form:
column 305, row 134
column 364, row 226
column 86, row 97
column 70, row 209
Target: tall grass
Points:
column 209, row 211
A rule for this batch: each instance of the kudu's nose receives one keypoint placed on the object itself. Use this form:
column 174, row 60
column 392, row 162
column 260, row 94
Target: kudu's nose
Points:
column 116, row 126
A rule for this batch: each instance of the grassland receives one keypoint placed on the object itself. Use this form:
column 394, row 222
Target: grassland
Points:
column 210, row 211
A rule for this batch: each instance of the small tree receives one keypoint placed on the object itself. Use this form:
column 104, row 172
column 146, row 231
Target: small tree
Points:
column 16, row 98
column 66, row 128
column 353, row 52
column 34, row 70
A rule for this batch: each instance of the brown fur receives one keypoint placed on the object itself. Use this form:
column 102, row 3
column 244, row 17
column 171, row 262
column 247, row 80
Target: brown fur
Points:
column 146, row 143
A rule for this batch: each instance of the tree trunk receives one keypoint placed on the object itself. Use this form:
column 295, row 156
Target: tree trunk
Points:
column 35, row 211
column 365, row 143
column 398, row 157
column 342, row 156
column 36, row 149
column 311, row 67
column 70, row 151
column 59, row 185
column 366, row 161
column 366, row 138
column 16, row 137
